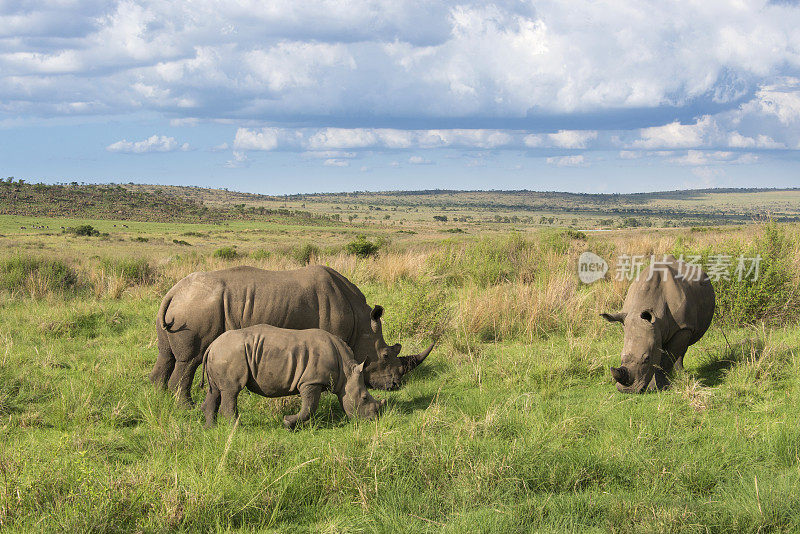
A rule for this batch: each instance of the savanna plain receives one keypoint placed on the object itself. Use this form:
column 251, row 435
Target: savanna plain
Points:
column 512, row 424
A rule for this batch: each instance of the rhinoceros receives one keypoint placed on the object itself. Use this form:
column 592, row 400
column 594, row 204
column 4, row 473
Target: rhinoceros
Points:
column 203, row 305
column 668, row 308
column 276, row 362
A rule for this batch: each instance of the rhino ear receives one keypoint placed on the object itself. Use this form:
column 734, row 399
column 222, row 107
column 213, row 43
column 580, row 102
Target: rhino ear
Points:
column 614, row 317
column 377, row 313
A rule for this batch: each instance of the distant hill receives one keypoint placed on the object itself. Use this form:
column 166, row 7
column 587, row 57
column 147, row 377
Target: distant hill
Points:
column 717, row 206
column 133, row 203
column 198, row 204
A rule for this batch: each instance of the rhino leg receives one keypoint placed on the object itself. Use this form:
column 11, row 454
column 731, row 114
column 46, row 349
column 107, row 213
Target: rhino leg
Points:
column 676, row 347
column 211, row 405
column 229, row 405
column 310, row 397
column 181, row 380
column 165, row 363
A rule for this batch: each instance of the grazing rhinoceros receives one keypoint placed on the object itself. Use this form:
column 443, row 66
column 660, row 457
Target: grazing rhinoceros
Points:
column 276, row 362
column 668, row 308
column 203, row 305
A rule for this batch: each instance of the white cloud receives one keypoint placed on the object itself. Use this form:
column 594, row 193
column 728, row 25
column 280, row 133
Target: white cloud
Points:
column 419, row 160
column 336, row 163
column 409, row 58
column 533, row 140
column 329, row 154
column 737, row 140
column 676, row 135
column 333, row 138
column 572, row 138
column 567, row 161
column 703, row 157
column 266, row 139
column 239, row 160
column 781, row 101
column 154, row 143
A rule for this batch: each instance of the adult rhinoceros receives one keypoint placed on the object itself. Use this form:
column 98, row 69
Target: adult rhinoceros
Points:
column 203, row 305
column 668, row 308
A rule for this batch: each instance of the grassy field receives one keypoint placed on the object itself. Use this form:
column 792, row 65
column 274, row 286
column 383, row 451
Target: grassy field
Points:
column 512, row 424
column 445, row 211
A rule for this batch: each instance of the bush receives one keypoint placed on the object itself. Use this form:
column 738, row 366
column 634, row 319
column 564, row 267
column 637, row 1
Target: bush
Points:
column 361, row 247
column 304, row 253
column 261, row 254
column 36, row 276
column 182, row 242
column 575, row 234
column 226, row 253
column 140, row 239
column 770, row 298
column 86, row 230
column 133, row 271
column 421, row 310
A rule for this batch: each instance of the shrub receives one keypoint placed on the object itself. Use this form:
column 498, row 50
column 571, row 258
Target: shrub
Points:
column 261, row 254
column 361, row 247
column 182, row 242
column 83, row 230
column 36, row 276
column 226, row 253
column 421, row 310
column 131, row 270
column 305, row 253
column 770, row 298
column 140, row 239
column 575, row 234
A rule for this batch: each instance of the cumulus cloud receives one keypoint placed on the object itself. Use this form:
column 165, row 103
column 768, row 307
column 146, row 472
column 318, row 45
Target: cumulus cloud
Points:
column 566, row 161
column 265, row 139
column 336, row 163
column 419, row 160
column 572, row 138
column 154, row 143
column 675, row 134
column 409, row 58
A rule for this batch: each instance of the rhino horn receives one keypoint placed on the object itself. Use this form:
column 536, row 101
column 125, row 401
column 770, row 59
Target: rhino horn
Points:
column 620, row 374
column 410, row 362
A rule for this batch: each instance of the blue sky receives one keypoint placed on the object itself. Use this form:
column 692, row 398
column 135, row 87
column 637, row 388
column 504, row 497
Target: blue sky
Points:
column 325, row 95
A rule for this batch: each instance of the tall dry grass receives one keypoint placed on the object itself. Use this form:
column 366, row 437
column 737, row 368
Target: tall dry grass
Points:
column 518, row 286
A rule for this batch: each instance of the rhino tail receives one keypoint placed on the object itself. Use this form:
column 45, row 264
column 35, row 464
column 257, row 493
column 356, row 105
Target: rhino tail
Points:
column 205, row 370
column 162, row 313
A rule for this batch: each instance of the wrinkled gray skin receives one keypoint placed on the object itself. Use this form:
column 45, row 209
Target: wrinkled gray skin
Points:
column 661, row 318
column 203, row 305
column 275, row 362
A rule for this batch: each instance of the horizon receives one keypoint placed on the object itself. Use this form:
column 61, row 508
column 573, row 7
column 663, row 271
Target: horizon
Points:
column 279, row 99
column 430, row 191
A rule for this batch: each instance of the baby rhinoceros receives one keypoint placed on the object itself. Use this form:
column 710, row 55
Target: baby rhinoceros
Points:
column 276, row 362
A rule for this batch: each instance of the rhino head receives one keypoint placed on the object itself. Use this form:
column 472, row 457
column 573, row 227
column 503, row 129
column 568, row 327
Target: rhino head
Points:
column 356, row 400
column 384, row 367
column 641, row 352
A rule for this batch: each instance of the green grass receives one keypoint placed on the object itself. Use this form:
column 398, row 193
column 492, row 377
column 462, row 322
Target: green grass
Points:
column 490, row 434
column 514, row 437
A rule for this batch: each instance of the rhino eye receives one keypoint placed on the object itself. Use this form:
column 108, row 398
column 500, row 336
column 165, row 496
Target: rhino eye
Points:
column 647, row 316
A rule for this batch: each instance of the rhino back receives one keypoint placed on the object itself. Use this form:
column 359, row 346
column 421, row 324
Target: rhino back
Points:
column 280, row 360
column 212, row 302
